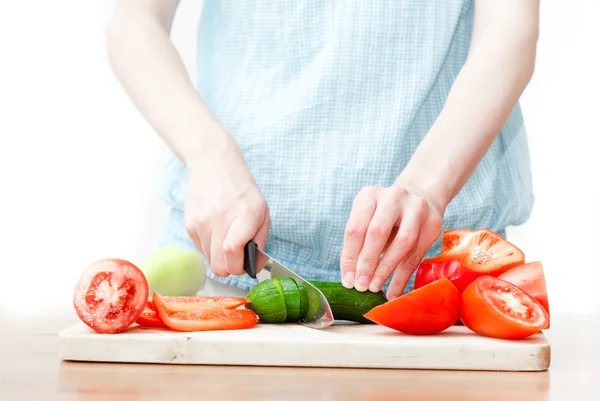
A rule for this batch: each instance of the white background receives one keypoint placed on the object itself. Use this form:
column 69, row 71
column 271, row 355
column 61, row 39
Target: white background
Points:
column 78, row 163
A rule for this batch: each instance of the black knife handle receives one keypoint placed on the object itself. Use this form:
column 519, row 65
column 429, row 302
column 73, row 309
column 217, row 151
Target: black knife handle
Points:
column 250, row 258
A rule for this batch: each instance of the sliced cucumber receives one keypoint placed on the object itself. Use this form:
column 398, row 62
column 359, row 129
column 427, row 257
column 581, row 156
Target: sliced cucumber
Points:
column 291, row 295
column 267, row 301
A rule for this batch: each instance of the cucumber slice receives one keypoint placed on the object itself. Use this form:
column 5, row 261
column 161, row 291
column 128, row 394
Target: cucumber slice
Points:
column 268, row 302
column 291, row 295
column 303, row 301
column 314, row 303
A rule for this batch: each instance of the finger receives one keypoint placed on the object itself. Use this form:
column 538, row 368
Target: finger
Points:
column 356, row 229
column 403, row 243
column 217, row 257
column 192, row 232
column 242, row 229
column 430, row 231
column 386, row 215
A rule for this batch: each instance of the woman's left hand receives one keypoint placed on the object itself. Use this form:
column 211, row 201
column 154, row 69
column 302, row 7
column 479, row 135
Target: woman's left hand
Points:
column 375, row 213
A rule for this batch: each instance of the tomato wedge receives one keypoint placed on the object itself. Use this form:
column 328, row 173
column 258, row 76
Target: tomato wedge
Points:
column 484, row 252
column 189, row 303
column 436, row 268
column 203, row 319
column 530, row 278
column 496, row 308
column 110, row 295
column 428, row 310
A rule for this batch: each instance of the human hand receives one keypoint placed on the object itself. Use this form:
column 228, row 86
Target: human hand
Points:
column 224, row 209
column 377, row 214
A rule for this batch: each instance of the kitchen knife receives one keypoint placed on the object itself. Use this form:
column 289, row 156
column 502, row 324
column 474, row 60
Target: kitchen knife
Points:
column 256, row 260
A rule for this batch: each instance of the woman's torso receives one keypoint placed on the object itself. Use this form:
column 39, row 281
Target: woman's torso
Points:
column 327, row 97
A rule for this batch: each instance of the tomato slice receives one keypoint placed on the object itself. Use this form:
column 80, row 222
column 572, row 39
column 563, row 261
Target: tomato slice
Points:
column 530, row 278
column 496, row 308
column 428, row 310
column 202, row 319
column 149, row 317
column 110, row 295
column 452, row 238
column 189, row 303
column 433, row 269
column 485, row 252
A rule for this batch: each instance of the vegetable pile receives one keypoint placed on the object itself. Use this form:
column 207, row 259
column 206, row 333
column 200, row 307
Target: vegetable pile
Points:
column 114, row 294
column 479, row 279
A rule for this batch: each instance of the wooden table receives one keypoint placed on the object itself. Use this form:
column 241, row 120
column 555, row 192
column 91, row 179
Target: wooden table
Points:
column 30, row 370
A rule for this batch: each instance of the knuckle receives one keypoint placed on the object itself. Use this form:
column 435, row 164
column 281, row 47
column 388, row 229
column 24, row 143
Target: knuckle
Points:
column 380, row 227
column 347, row 261
column 355, row 230
column 368, row 262
column 407, row 239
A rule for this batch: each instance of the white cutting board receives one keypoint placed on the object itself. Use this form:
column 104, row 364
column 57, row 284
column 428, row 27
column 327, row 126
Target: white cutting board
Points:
column 340, row 345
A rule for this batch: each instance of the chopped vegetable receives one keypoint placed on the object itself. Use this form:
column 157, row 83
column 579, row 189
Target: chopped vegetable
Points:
column 496, row 308
column 530, row 278
column 428, row 310
column 467, row 255
column 175, row 271
column 149, row 317
column 110, row 295
column 297, row 302
column 205, row 318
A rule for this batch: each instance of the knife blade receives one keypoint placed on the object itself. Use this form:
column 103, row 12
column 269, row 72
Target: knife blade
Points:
column 255, row 260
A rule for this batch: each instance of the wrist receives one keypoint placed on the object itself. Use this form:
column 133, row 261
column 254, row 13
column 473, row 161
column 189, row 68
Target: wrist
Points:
column 208, row 147
column 430, row 189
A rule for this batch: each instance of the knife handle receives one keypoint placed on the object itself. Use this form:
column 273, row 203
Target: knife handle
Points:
column 250, row 258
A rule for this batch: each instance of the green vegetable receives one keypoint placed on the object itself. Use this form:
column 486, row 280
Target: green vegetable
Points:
column 291, row 294
column 267, row 301
column 293, row 302
column 174, row 271
column 349, row 304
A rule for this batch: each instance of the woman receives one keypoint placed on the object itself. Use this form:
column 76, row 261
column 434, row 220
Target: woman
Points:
column 318, row 126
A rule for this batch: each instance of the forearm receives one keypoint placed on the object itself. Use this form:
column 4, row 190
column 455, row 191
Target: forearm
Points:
column 153, row 75
column 498, row 69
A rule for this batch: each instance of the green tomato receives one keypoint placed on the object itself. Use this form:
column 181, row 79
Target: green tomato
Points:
column 174, row 271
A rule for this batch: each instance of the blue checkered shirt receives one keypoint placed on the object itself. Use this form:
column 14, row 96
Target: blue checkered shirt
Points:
column 326, row 97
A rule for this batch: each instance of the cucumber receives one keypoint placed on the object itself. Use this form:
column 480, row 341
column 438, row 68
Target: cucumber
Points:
column 281, row 300
column 349, row 304
column 291, row 294
column 267, row 301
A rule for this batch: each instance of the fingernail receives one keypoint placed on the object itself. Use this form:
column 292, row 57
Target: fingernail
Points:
column 348, row 279
column 376, row 284
column 362, row 283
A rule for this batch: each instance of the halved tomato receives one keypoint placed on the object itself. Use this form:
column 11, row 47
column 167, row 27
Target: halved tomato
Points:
column 110, row 295
column 485, row 252
column 499, row 309
column 428, row 310
column 202, row 319
column 188, row 303
column 530, row 278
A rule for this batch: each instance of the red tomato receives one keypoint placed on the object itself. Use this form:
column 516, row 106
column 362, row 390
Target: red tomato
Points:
column 428, row 310
column 182, row 304
column 434, row 269
column 484, row 252
column 530, row 278
column 499, row 309
column 110, row 295
column 202, row 319
column 149, row 317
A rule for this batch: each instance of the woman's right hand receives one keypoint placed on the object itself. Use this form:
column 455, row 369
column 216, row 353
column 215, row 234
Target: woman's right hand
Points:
column 224, row 209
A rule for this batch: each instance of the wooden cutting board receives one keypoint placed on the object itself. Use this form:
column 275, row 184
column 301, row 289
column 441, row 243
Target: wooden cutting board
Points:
column 340, row 345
